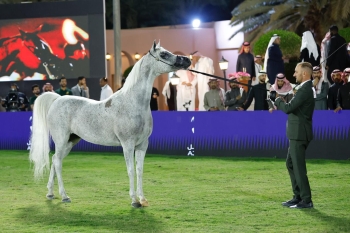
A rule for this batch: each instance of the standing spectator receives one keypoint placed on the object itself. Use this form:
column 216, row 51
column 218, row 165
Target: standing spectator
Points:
column 259, row 94
column 63, row 90
column 106, row 90
column 245, row 61
column 299, row 132
column 169, row 92
column 309, row 50
column 236, row 96
column 258, row 68
column 333, row 90
column 36, row 92
column 212, row 99
column 337, row 53
column 81, row 89
column 321, row 88
column 48, row 87
column 343, row 97
column 273, row 59
column 154, row 99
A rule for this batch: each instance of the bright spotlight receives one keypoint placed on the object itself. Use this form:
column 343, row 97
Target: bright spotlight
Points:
column 196, row 23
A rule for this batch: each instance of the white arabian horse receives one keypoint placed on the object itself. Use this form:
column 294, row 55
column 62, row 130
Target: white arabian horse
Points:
column 124, row 119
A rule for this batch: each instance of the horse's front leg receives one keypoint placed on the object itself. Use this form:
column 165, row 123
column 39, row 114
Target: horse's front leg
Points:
column 50, row 183
column 129, row 160
column 140, row 158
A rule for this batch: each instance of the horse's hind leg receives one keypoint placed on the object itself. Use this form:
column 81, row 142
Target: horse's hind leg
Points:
column 50, row 184
column 61, row 152
column 140, row 152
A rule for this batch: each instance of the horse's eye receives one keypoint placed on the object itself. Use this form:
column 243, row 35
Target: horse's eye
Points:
column 164, row 55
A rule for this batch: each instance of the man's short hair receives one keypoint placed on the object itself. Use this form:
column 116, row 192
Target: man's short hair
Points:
column 62, row 78
column 306, row 66
column 333, row 28
column 80, row 78
column 34, row 86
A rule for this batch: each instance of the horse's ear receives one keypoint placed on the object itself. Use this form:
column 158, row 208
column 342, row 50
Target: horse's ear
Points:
column 158, row 45
column 38, row 29
column 154, row 45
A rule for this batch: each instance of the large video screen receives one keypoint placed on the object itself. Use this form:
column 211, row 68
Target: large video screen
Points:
column 44, row 48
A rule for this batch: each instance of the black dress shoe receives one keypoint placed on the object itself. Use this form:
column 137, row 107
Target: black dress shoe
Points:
column 303, row 205
column 292, row 202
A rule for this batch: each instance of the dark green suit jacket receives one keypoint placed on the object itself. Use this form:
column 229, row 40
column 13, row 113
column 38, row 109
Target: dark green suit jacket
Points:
column 300, row 110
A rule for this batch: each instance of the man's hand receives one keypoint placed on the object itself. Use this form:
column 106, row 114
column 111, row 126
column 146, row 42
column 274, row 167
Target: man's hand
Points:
column 154, row 96
column 337, row 109
column 316, row 80
column 238, row 97
column 240, row 109
column 253, row 79
column 271, row 110
column 213, row 109
column 326, row 68
column 189, row 84
column 183, row 83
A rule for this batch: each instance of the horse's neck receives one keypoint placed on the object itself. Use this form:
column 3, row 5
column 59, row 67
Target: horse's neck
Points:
column 142, row 90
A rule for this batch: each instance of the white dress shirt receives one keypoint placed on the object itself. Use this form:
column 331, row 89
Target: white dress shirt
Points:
column 106, row 92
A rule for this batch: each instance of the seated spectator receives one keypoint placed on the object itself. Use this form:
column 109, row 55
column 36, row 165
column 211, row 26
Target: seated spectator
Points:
column 48, row 87
column 236, row 96
column 321, row 88
column 283, row 88
column 36, row 92
column 345, row 76
column 213, row 99
column 333, row 90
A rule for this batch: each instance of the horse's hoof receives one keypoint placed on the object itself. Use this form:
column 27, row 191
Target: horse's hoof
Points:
column 66, row 200
column 144, row 203
column 136, row 205
column 50, row 197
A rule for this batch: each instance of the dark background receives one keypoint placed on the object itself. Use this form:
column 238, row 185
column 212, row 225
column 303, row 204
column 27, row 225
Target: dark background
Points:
column 93, row 9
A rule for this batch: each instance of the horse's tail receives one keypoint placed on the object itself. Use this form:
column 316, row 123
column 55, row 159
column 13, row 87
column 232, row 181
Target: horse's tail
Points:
column 40, row 138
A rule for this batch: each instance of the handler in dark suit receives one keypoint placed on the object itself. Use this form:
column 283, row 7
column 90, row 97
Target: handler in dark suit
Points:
column 299, row 132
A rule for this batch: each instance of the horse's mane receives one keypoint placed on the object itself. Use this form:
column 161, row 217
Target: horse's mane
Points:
column 133, row 76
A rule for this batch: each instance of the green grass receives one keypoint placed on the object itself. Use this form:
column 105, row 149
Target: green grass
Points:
column 186, row 194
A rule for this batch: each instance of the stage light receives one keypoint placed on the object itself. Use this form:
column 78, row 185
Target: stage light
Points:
column 196, row 23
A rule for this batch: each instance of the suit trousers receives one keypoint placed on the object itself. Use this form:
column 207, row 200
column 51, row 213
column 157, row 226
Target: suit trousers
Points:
column 296, row 166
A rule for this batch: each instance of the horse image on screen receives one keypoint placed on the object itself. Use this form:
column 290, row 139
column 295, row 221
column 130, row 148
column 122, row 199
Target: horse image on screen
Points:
column 124, row 119
column 44, row 48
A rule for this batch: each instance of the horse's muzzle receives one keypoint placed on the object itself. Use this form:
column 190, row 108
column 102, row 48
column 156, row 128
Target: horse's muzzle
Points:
column 182, row 62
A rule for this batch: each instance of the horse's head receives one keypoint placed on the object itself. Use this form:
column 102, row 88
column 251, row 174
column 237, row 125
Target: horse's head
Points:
column 165, row 61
